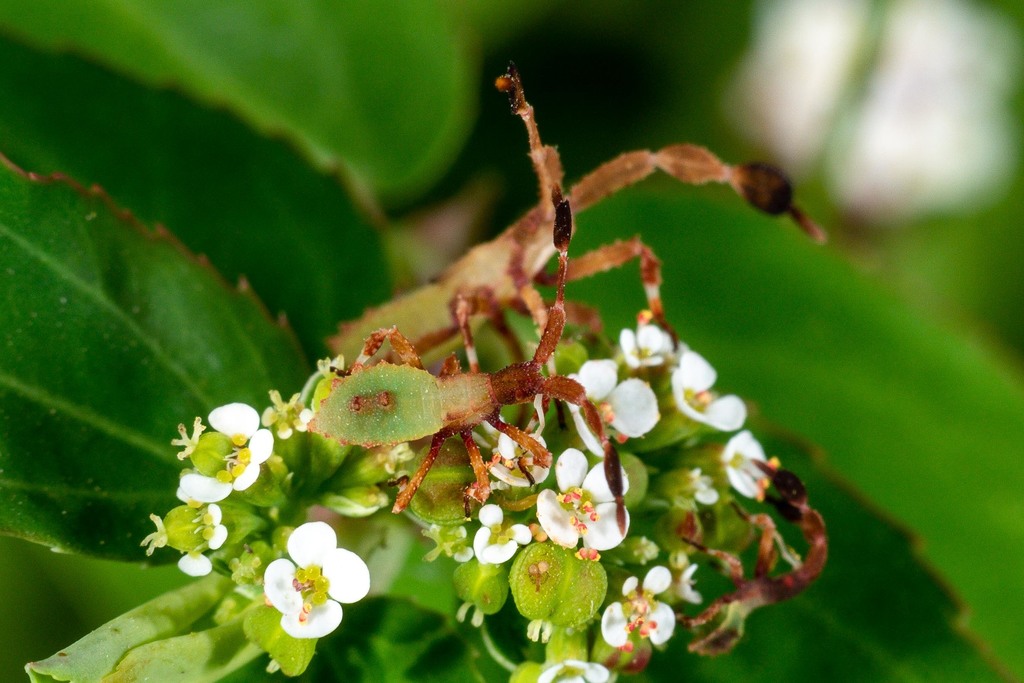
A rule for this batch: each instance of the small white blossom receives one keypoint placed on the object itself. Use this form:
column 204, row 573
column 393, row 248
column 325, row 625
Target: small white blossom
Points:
column 212, row 534
column 253, row 445
column 496, row 542
column 574, row 671
column 629, row 407
column 195, row 487
column 739, row 456
column 586, row 506
column 639, row 612
column 509, row 456
column 691, row 387
column 684, row 586
column 308, row 591
column 703, row 487
column 648, row 346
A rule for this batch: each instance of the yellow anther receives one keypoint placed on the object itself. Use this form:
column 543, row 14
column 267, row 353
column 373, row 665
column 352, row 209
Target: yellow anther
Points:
column 239, row 440
column 224, row 477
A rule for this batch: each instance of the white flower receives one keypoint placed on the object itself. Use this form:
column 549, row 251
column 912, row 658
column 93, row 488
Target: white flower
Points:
column 253, row 445
column 496, row 542
column 639, row 612
column 738, row 457
column 630, row 407
column 648, row 346
column 212, row 536
column 684, row 586
column 511, row 456
column 691, row 387
column 308, row 591
column 703, row 487
column 574, row 671
column 586, row 506
column 202, row 489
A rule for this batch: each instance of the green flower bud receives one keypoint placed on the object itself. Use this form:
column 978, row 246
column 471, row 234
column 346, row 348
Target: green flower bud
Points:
column 249, row 565
column 213, row 447
column 440, row 498
column 356, row 501
column 550, row 583
column 527, row 672
column 567, row 643
column 484, row 585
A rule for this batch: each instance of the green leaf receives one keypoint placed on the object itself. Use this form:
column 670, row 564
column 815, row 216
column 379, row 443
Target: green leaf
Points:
column 875, row 614
column 250, row 204
column 263, row 627
column 112, row 336
column 383, row 91
column 392, row 641
column 925, row 421
column 96, row 655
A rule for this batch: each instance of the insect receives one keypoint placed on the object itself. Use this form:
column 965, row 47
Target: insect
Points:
column 501, row 274
column 386, row 403
column 390, row 403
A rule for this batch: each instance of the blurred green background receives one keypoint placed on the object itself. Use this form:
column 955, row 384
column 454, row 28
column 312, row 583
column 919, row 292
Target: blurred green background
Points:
column 896, row 348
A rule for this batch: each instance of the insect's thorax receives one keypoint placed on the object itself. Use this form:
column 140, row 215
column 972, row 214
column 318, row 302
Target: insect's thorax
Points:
column 468, row 400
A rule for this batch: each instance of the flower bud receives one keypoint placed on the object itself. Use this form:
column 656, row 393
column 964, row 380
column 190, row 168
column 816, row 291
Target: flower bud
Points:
column 550, row 583
column 567, row 643
column 440, row 498
column 356, row 501
column 183, row 525
column 484, row 585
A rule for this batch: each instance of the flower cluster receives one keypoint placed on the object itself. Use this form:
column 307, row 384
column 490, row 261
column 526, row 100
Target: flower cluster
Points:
column 568, row 550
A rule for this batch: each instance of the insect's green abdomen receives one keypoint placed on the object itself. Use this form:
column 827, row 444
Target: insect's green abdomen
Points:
column 383, row 404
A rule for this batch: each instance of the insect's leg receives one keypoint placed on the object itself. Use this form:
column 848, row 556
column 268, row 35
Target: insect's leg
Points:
column 479, row 490
column 546, row 162
column 481, row 301
column 402, row 347
column 541, row 455
column 764, row 186
column 406, row 494
column 615, row 255
column 450, row 366
column 571, row 391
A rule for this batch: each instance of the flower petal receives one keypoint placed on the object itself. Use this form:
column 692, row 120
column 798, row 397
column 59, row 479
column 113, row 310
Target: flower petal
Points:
column 195, row 564
column 261, row 445
column 491, row 514
column 220, row 534
column 604, row 534
column 571, row 469
column 635, row 408
column 522, row 534
column 235, row 418
column 629, row 585
column 658, row 580
column 613, row 625
column 497, row 554
column 726, row 413
column 596, row 483
column 664, row 620
column 694, row 372
column 481, row 541
column 348, row 574
column 320, row 621
column 598, row 378
column 204, row 489
column 311, row 542
column 247, row 478
column 555, row 520
column 278, row 585
column 592, row 443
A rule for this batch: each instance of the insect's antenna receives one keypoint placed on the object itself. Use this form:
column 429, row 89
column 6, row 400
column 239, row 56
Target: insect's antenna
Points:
column 546, row 162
